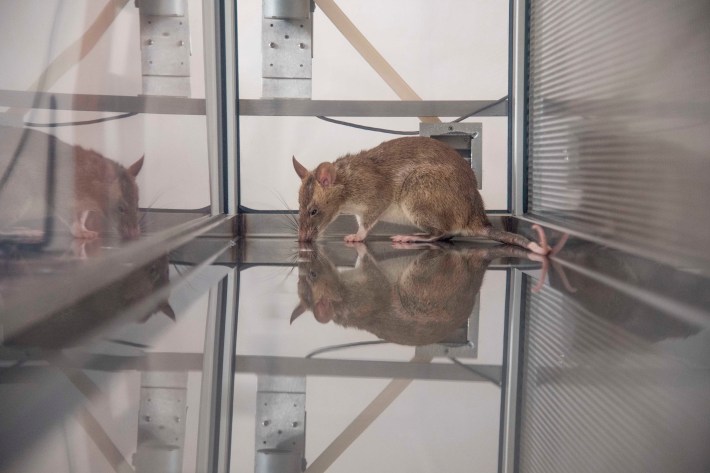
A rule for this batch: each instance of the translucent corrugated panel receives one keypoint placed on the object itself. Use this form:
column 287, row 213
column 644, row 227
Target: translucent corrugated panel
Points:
column 604, row 390
column 619, row 121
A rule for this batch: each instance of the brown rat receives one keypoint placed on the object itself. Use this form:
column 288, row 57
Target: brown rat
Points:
column 93, row 194
column 415, row 299
column 414, row 180
column 107, row 190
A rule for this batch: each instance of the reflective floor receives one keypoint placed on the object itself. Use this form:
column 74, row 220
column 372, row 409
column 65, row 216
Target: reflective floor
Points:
column 260, row 356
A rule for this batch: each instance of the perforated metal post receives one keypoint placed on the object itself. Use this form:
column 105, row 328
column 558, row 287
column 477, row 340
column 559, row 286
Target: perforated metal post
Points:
column 280, row 424
column 466, row 138
column 161, row 422
column 287, row 48
column 165, row 47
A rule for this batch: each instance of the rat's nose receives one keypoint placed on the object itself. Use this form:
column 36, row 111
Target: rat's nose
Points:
column 305, row 235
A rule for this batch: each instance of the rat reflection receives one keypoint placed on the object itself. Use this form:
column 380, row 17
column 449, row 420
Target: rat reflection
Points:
column 415, row 299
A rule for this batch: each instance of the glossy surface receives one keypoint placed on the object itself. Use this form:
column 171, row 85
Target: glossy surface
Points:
column 359, row 358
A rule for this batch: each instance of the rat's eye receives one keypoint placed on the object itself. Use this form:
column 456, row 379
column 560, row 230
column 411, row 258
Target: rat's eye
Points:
column 313, row 275
column 313, row 212
column 122, row 209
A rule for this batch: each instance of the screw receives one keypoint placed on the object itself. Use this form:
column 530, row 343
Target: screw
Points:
column 147, row 418
column 181, row 43
column 451, row 128
column 301, row 45
column 177, row 419
column 265, row 423
column 272, row 45
column 294, row 424
column 150, row 42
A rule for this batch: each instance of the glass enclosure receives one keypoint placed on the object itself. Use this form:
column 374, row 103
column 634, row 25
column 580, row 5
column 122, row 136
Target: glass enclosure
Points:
column 157, row 312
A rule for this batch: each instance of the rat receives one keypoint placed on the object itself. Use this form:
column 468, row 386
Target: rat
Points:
column 106, row 189
column 93, row 193
column 414, row 299
column 414, row 180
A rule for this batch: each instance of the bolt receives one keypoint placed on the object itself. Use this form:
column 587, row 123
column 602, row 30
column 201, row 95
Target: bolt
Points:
column 147, row 418
column 301, row 45
column 294, row 424
column 150, row 42
column 177, row 419
column 272, row 45
column 265, row 423
column 181, row 43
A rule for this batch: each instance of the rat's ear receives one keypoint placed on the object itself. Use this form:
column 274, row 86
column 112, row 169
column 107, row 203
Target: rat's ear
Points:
column 300, row 309
column 300, row 170
column 325, row 174
column 135, row 168
column 165, row 308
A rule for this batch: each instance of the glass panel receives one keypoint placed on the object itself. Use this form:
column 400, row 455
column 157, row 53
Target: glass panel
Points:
column 444, row 51
column 103, row 62
column 395, row 360
column 126, row 398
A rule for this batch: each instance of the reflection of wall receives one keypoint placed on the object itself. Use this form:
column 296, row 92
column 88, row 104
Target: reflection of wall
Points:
column 175, row 172
column 455, row 424
column 452, row 50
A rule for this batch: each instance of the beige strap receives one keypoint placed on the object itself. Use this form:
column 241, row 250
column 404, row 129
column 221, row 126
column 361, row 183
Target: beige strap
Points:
column 370, row 54
column 76, row 51
column 362, row 422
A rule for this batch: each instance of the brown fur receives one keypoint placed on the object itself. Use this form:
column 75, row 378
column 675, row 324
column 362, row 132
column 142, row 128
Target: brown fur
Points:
column 412, row 300
column 422, row 179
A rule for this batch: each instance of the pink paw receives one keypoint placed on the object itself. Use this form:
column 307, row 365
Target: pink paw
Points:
column 353, row 238
column 543, row 248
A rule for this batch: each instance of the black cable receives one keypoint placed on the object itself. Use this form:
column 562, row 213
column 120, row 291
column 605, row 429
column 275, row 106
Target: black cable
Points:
column 85, row 122
column 409, row 133
column 490, row 105
column 368, row 128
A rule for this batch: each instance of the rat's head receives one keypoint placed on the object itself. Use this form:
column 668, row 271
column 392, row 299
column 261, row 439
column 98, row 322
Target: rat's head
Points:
column 123, row 202
column 319, row 287
column 319, row 199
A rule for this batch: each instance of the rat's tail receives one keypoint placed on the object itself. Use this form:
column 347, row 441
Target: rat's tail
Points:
column 492, row 233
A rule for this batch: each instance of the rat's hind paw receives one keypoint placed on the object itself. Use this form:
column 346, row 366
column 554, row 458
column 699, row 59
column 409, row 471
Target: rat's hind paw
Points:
column 543, row 248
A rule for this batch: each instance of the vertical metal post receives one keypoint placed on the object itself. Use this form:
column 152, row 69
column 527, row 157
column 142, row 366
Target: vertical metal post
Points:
column 220, row 102
column 517, row 101
column 215, row 428
column 512, row 372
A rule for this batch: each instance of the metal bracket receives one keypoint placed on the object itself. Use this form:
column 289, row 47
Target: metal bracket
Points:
column 161, row 422
column 466, row 138
column 280, row 424
column 165, row 47
column 287, row 48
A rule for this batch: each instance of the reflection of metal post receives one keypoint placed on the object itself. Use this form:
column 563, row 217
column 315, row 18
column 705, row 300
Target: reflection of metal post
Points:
column 161, row 421
column 287, row 48
column 165, row 47
column 280, row 424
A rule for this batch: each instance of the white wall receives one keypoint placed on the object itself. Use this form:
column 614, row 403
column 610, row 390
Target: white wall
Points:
column 34, row 32
column 446, row 50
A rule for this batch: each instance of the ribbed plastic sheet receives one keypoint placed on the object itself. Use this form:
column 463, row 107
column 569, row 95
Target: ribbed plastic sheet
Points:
column 598, row 397
column 619, row 123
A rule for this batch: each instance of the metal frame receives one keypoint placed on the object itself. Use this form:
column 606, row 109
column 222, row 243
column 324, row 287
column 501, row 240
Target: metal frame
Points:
column 511, row 374
column 517, row 97
column 249, row 107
